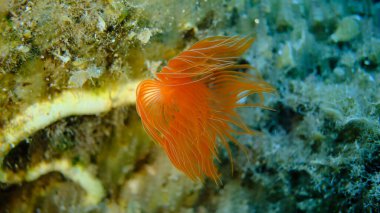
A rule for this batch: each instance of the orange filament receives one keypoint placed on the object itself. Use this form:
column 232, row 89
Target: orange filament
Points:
column 191, row 104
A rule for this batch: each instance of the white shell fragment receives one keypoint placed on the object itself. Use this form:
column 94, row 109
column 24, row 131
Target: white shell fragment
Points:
column 80, row 77
column 144, row 35
column 101, row 24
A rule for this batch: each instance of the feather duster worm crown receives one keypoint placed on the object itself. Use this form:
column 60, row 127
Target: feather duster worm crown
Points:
column 191, row 103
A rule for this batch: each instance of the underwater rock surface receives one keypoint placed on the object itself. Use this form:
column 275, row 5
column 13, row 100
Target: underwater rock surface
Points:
column 319, row 151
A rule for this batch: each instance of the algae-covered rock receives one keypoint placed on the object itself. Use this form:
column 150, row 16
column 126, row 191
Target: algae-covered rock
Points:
column 348, row 28
column 71, row 140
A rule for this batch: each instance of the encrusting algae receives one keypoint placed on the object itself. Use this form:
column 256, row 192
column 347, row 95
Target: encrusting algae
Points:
column 191, row 103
